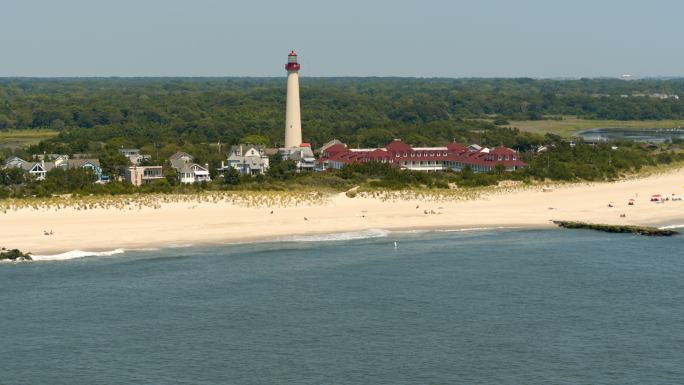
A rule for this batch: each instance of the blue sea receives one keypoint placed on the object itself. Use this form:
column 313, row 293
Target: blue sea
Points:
column 506, row 306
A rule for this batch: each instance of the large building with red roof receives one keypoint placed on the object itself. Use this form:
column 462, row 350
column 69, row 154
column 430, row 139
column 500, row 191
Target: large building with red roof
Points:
column 453, row 156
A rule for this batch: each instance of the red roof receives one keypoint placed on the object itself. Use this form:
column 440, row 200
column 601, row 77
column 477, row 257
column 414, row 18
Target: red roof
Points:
column 397, row 152
column 292, row 53
column 334, row 149
column 456, row 147
column 398, row 146
column 305, row 145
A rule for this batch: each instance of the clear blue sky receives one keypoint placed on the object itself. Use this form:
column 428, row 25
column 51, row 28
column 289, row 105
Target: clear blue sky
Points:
column 484, row 38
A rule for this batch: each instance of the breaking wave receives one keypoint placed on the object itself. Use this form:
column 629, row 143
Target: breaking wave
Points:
column 74, row 254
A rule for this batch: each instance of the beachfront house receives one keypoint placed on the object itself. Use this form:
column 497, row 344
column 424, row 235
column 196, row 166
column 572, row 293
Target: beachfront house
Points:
column 246, row 159
column 188, row 171
column 37, row 169
column 88, row 164
column 141, row 175
column 303, row 156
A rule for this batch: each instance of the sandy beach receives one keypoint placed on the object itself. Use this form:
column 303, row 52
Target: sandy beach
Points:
column 188, row 223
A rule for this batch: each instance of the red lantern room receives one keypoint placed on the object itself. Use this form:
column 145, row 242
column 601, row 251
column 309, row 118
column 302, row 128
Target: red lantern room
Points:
column 292, row 64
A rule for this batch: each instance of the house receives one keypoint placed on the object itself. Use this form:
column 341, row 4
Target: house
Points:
column 303, row 156
column 140, row 175
column 88, row 164
column 187, row 170
column 57, row 158
column 541, row 149
column 14, row 162
column 134, row 156
column 246, row 159
column 37, row 169
column 453, row 156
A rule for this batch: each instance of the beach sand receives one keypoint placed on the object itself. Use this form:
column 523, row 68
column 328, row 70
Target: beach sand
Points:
column 191, row 223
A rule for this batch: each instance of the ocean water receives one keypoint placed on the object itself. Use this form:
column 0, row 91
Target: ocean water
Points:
column 463, row 307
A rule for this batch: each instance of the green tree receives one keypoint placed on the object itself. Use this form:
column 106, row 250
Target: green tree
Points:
column 231, row 177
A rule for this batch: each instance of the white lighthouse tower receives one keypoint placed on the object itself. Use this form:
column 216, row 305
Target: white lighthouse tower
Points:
column 293, row 120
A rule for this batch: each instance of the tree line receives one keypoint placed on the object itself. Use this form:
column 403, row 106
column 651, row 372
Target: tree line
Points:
column 360, row 111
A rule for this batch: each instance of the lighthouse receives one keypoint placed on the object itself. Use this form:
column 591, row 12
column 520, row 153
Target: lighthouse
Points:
column 293, row 121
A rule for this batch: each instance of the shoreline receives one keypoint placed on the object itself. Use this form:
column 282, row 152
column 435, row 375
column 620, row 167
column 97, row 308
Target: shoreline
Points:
column 293, row 238
column 258, row 217
column 323, row 237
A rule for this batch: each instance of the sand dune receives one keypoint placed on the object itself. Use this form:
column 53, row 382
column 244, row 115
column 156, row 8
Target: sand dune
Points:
column 183, row 223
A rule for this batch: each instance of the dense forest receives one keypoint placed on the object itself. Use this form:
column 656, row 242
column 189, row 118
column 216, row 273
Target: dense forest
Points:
column 360, row 111
column 203, row 116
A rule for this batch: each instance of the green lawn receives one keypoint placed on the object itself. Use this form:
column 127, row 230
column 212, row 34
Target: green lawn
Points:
column 570, row 125
column 21, row 138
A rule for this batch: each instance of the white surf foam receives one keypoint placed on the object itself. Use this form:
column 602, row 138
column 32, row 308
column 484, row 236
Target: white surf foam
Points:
column 179, row 245
column 671, row 227
column 73, row 254
column 348, row 236
column 475, row 229
column 467, row 229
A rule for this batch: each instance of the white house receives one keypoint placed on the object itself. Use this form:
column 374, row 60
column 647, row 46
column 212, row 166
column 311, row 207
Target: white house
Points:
column 303, row 156
column 247, row 159
column 189, row 172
